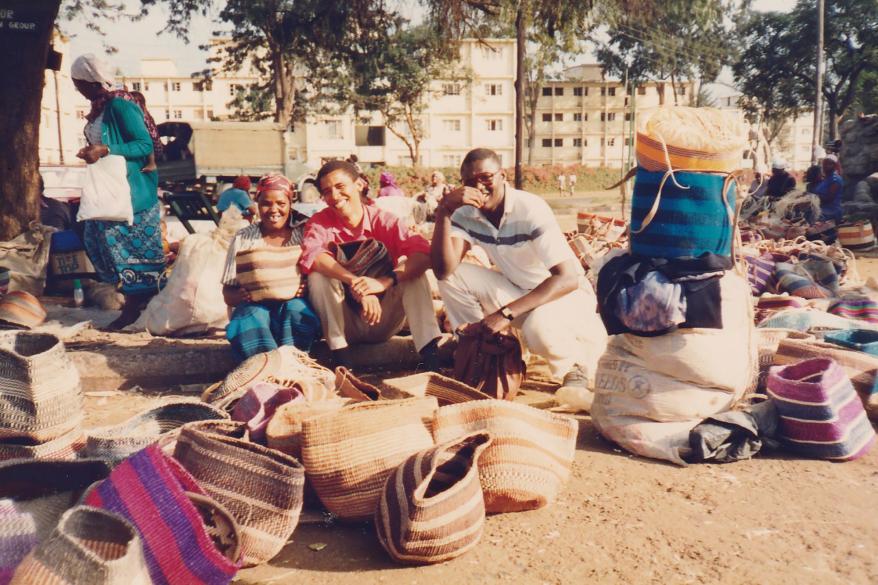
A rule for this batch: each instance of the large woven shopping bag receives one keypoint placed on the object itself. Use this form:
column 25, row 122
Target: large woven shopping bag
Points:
column 820, row 414
column 446, row 390
column 348, row 454
column 269, row 273
column 89, row 546
column 432, row 508
column 188, row 539
column 686, row 214
column 861, row 308
column 861, row 368
column 261, row 487
column 33, row 496
column 40, row 396
column 530, row 455
column 115, row 443
column 284, row 430
column 65, row 447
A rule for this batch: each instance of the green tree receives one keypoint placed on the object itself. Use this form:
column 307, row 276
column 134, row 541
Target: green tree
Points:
column 850, row 52
column 770, row 95
column 396, row 74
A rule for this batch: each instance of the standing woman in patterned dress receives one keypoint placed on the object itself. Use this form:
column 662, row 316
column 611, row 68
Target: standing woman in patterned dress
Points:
column 128, row 255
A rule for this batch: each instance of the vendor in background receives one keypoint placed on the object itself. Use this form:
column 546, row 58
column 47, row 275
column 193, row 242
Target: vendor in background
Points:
column 830, row 189
column 759, row 185
column 435, row 191
column 130, row 255
column 239, row 196
column 258, row 327
column 388, row 186
column 781, row 182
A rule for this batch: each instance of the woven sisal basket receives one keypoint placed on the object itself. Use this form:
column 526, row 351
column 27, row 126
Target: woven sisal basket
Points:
column 432, row 508
column 446, row 390
column 261, row 488
column 350, row 453
column 530, row 456
column 40, row 396
column 284, row 431
column 89, row 546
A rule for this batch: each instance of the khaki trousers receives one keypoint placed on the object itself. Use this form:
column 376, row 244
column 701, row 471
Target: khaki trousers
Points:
column 565, row 332
column 342, row 326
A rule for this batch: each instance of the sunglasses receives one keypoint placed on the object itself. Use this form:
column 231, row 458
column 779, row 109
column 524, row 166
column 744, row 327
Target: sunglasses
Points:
column 483, row 178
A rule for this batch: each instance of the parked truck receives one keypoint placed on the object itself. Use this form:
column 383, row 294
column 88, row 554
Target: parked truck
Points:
column 216, row 152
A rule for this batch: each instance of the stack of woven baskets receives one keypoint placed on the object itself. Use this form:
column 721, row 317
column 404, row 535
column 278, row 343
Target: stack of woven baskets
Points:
column 40, row 398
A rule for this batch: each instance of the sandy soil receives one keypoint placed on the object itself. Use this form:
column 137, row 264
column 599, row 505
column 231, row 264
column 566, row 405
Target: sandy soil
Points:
column 623, row 519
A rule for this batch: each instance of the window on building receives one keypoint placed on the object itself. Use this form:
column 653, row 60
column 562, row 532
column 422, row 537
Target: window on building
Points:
column 178, row 114
column 627, row 116
column 681, row 90
column 175, row 86
column 559, row 142
column 627, row 142
column 451, row 125
column 145, row 86
column 577, row 142
column 559, row 91
column 547, row 117
column 547, row 91
column 577, row 116
column 611, row 116
column 203, row 85
column 451, row 160
column 527, row 143
column 494, row 124
column 641, row 90
column 611, row 142
column 167, row 114
column 332, row 130
column 450, row 89
column 547, row 143
column 210, row 114
column 577, row 92
column 611, row 91
column 493, row 89
column 626, row 101
column 559, row 117
column 369, row 135
column 135, row 86
column 603, row 116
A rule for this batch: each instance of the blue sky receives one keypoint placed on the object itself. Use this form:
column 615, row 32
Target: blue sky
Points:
column 135, row 40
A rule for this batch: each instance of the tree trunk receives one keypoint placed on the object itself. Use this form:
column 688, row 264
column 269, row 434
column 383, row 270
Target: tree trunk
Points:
column 25, row 33
column 520, row 24
column 283, row 88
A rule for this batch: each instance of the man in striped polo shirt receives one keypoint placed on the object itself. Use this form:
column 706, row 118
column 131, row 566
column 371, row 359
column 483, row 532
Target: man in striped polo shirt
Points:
column 540, row 287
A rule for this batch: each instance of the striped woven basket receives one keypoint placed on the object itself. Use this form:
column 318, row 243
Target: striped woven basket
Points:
column 861, row 368
column 284, row 430
column 432, row 508
column 89, row 546
column 857, row 236
column 820, row 414
column 269, row 273
column 40, row 398
column 65, row 447
column 530, row 456
column 349, row 454
column 169, row 509
column 117, row 442
column 261, row 487
column 446, row 390
column 651, row 155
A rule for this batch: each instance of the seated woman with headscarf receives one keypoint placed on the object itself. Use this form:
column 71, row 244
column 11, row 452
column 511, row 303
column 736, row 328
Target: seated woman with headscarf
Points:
column 130, row 255
column 262, row 281
column 830, row 189
column 388, row 186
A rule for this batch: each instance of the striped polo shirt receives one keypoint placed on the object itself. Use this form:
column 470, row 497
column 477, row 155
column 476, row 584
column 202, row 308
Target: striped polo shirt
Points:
column 525, row 246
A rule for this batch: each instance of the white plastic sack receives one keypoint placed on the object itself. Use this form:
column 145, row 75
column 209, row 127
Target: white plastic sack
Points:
column 721, row 358
column 192, row 301
column 106, row 194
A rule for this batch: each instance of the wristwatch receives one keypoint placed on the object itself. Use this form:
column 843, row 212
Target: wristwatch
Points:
column 507, row 314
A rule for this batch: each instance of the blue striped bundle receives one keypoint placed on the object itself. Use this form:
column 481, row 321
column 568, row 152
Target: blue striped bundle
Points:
column 821, row 415
column 689, row 222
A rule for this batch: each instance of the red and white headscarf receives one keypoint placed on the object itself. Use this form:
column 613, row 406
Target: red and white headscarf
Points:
column 275, row 182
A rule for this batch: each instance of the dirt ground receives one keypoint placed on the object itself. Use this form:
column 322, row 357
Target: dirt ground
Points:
column 621, row 519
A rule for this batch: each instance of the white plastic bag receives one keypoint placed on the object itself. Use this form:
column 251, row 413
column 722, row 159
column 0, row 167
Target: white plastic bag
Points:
column 106, row 194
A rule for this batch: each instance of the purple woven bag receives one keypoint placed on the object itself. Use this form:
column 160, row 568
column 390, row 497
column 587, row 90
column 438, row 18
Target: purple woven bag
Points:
column 821, row 415
column 760, row 273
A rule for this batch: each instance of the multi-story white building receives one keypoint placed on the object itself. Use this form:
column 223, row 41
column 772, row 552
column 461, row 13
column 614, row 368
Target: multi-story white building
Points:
column 585, row 118
column 60, row 127
column 793, row 143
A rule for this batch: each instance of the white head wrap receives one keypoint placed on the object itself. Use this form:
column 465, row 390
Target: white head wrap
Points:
column 831, row 157
column 89, row 68
column 779, row 164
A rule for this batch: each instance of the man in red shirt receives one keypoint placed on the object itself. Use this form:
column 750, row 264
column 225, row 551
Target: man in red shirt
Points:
column 386, row 302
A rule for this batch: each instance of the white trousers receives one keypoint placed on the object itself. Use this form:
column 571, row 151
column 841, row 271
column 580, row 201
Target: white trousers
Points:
column 565, row 332
column 410, row 300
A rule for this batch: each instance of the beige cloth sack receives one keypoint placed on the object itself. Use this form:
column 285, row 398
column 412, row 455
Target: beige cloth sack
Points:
column 27, row 258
